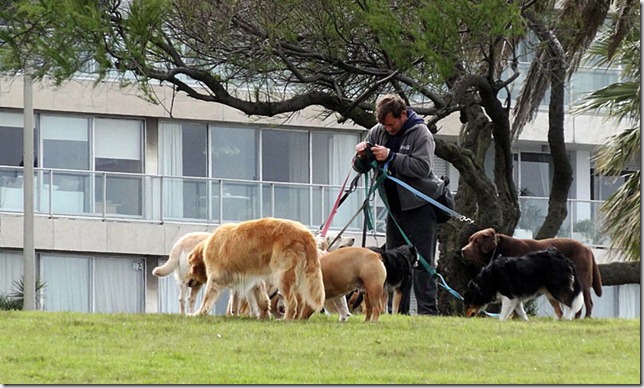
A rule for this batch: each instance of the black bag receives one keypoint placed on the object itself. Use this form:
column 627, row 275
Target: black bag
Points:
column 446, row 199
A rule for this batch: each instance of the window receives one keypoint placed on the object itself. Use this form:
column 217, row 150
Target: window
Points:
column 285, row 156
column 11, row 133
column 535, row 174
column 118, row 149
column 183, row 153
column 235, row 153
column 92, row 284
column 604, row 186
column 11, row 270
column 91, row 145
column 65, row 142
column 238, row 158
column 331, row 156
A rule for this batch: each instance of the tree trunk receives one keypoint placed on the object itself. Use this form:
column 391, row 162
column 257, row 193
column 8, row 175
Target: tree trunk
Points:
column 562, row 174
column 618, row 273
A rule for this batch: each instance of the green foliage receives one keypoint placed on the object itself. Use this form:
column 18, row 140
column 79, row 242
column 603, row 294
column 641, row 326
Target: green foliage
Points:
column 74, row 348
column 252, row 41
column 621, row 103
column 14, row 300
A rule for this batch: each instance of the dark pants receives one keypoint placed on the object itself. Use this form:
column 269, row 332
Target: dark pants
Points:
column 420, row 227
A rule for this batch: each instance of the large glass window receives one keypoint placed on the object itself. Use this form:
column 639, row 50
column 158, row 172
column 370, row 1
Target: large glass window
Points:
column 331, row 156
column 66, row 145
column 285, row 156
column 118, row 149
column 102, row 285
column 11, row 270
column 65, row 142
column 183, row 150
column 92, row 145
column 11, row 133
column 118, row 145
column 604, row 186
column 235, row 153
column 536, row 174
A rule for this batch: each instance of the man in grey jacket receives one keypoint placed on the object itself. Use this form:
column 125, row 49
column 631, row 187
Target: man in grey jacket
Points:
column 402, row 138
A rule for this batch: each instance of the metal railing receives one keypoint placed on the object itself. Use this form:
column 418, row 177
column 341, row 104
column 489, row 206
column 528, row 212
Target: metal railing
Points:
column 155, row 198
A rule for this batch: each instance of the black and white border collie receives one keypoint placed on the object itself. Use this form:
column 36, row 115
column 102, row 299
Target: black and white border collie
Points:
column 514, row 280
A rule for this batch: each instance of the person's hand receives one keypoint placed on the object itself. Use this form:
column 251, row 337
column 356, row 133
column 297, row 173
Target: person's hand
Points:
column 361, row 149
column 381, row 153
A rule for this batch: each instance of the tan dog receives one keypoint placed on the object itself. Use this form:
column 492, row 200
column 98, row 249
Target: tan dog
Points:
column 178, row 262
column 347, row 269
column 486, row 244
column 241, row 255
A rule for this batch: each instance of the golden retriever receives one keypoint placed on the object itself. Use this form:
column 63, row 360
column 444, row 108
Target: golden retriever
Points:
column 239, row 256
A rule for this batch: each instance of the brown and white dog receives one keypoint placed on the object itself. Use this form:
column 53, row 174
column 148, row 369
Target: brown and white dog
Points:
column 486, row 244
column 178, row 262
column 241, row 255
column 348, row 269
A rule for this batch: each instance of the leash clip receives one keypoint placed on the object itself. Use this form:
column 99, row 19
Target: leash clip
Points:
column 466, row 219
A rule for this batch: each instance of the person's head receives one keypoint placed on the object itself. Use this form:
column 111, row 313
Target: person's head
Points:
column 391, row 112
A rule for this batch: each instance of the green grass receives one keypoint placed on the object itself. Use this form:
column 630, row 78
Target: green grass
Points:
column 74, row 348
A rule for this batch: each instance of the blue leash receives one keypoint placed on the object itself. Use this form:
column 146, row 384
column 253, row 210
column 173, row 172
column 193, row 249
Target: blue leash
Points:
column 429, row 199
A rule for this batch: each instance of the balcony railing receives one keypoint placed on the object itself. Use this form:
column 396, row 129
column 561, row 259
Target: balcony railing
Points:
column 154, row 198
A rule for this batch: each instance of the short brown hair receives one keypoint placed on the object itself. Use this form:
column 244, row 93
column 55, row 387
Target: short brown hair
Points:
column 390, row 103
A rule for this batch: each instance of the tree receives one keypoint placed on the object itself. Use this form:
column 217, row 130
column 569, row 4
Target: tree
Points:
column 620, row 46
column 275, row 58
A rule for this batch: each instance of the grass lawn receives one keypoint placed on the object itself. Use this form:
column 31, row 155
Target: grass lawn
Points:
column 74, row 348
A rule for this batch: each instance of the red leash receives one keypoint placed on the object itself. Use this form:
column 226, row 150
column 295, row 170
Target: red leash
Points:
column 336, row 205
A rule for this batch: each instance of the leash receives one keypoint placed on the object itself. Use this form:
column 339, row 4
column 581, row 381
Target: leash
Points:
column 421, row 259
column 441, row 281
column 429, row 199
column 338, row 201
column 376, row 183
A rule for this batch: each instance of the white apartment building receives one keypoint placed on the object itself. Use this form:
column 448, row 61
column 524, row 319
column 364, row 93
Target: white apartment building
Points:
column 118, row 180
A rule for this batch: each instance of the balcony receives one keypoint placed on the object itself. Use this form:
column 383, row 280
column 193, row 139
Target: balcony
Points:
column 163, row 199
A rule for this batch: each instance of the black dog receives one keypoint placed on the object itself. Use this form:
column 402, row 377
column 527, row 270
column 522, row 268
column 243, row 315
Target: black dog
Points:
column 398, row 263
column 517, row 279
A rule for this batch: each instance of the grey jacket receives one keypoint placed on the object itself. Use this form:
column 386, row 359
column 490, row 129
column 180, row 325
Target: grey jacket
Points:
column 413, row 163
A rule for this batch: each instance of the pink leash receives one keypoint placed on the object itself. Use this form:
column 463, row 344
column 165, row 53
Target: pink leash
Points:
column 334, row 210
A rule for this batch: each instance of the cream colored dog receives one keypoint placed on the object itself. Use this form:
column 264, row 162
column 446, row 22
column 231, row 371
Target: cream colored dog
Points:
column 324, row 243
column 241, row 255
column 178, row 262
column 347, row 269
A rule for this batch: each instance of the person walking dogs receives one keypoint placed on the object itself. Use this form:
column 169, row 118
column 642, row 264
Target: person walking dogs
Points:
column 402, row 138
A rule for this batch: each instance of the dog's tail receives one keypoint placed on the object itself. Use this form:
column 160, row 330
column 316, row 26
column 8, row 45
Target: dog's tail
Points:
column 172, row 263
column 597, row 276
column 312, row 286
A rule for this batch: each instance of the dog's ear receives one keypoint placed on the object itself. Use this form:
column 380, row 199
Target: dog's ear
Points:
column 488, row 240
